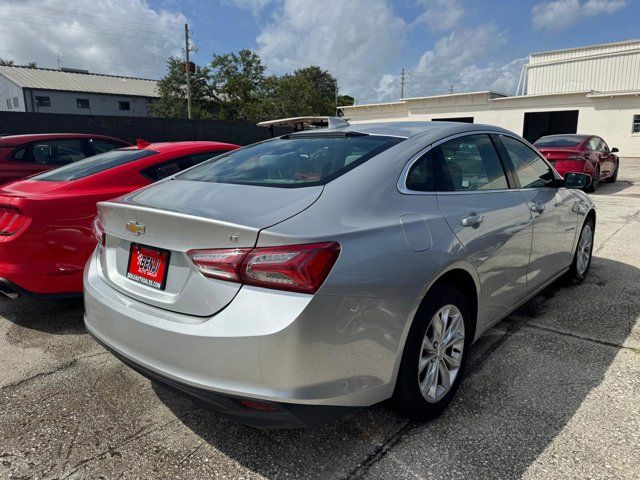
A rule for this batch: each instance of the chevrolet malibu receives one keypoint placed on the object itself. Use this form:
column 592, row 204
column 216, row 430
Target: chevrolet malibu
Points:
column 292, row 281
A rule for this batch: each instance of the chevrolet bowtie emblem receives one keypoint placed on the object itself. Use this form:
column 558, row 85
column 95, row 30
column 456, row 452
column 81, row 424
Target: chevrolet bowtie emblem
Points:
column 134, row 227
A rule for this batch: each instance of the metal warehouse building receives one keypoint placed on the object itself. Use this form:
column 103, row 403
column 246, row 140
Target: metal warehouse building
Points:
column 589, row 90
column 74, row 91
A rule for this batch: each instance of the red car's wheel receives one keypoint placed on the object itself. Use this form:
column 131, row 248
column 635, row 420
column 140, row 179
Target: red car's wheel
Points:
column 614, row 177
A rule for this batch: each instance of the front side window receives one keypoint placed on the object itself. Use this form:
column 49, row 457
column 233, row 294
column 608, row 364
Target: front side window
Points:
column 593, row 144
column 292, row 161
column 56, row 152
column 531, row 169
column 468, row 163
column 82, row 103
column 93, row 165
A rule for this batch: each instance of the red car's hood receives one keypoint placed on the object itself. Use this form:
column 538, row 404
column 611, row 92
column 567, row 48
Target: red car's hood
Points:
column 30, row 188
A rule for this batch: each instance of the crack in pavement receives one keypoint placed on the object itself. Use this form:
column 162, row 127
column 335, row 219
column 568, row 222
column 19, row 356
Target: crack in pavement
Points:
column 581, row 337
column 44, row 374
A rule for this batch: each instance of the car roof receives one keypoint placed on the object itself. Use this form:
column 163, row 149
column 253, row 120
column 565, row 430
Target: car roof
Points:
column 403, row 129
column 169, row 147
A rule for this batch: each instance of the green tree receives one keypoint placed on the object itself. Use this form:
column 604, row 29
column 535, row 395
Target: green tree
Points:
column 238, row 80
column 173, row 93
column 11, row 63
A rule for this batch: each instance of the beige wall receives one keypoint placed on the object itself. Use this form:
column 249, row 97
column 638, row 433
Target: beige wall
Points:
column 610, row 118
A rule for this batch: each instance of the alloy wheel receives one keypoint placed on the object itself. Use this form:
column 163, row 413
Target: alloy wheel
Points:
column 441, row 353
column 585, row 244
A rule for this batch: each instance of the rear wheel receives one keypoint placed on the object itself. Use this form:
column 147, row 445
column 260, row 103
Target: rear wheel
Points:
column 614, row 177
column 584, row 251
column 435, row 354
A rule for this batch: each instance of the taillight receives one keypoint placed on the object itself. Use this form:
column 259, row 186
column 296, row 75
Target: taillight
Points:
column 223, row 264
column 98, row 231
column 296, row 268
column 11, row 220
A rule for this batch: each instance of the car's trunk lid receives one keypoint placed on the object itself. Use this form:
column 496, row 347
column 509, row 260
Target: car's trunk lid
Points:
column 179, row 216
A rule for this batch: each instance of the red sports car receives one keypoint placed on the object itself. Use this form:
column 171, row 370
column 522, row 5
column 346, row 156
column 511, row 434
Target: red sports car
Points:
column 25, row 155
column 583, row 154
column 46, row 221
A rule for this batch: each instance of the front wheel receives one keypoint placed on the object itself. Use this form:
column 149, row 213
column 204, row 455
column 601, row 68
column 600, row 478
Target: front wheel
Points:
column 435, row 354
column 614, row 177
column 595, row 181
column 584, row 251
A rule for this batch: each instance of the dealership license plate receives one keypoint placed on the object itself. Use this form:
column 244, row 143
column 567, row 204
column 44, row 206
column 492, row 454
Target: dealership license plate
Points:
column 148, row 265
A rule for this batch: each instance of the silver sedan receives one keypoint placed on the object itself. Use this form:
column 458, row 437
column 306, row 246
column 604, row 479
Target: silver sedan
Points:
column 291, row 281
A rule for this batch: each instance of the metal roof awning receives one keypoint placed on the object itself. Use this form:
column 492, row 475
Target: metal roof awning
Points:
column 304, row 123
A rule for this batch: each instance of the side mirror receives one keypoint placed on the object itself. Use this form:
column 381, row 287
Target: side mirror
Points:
column 614, row 150
column 577, row 180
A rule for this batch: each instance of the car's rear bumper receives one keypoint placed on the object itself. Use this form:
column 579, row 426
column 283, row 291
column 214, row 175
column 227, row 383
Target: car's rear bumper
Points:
column 572, row 166
column 279, row 415
column 280, row 347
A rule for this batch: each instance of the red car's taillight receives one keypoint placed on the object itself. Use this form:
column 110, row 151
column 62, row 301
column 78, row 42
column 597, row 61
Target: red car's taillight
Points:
column 11, row 220
column 296, row 268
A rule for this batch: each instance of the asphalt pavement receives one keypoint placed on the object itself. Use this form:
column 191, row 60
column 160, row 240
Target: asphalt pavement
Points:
column 553, row 391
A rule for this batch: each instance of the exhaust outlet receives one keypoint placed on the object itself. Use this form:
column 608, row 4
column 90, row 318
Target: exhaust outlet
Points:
column 7, row 294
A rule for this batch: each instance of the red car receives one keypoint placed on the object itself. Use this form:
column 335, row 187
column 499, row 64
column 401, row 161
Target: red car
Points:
column 581, row 153
column 25, row 155
column 46, row 221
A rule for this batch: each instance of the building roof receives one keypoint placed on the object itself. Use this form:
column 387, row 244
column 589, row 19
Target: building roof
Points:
column 48, row 79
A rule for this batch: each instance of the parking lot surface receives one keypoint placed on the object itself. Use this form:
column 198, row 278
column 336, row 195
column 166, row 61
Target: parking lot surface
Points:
column 553, row 391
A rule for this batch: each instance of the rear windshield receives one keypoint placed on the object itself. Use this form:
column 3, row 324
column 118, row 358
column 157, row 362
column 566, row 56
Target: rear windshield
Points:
column 559, row 141
column 91, row 165
column 293, row 161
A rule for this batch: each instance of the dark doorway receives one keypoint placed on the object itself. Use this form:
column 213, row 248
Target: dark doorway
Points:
column 539, row 124
column 456, row 119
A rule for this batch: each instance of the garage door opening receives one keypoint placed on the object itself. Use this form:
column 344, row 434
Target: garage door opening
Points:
column 455, row 119
column 539, row 124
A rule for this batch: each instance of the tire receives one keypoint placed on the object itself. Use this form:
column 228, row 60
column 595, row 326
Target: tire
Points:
column 614, row 177
column 584, row 251
column 595, row 181
column 408, row 398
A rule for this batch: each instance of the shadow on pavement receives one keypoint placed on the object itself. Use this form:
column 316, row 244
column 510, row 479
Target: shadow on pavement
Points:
column 527, row 377
column 55, row 317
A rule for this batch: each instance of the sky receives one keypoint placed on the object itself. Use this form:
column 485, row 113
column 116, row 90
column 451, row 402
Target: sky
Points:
column 443, row 45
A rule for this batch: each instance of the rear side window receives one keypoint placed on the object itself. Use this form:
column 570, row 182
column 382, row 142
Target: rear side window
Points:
column 101, row 146
column 532, row 171
column 294, row 161
column 171, row 167
column 467, row 163
column 93, row 165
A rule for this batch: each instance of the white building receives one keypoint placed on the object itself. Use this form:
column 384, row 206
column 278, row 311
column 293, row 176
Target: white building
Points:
column 74, row 91
column 589, row 90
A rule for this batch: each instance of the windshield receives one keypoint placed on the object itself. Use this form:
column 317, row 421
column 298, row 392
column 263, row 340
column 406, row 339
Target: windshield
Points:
column 292, row 161
column 91, row 165
column 559, row 141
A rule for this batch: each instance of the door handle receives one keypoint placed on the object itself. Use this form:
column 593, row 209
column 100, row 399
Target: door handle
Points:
column 537, row 207
column 472, row 220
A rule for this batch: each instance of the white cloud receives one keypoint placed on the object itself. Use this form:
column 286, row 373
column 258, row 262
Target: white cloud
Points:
column 560, row 14
column 256, row 6
column 356, row 40
column 440, row 15
column 125, row 37
column 453, row 63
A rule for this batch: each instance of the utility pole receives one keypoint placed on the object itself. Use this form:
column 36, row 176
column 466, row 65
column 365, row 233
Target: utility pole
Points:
column 336, row 97
column 187, row 67
column 451, row 88
column 402, row 84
